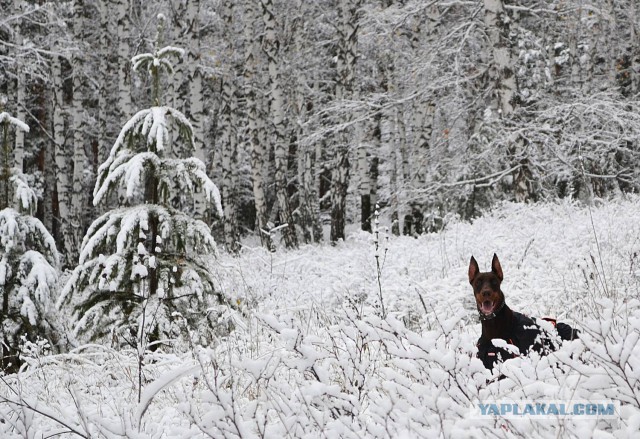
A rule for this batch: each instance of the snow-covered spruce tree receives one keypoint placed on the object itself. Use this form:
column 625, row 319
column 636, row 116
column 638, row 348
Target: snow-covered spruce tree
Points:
column 146, row 267
column 28, row 258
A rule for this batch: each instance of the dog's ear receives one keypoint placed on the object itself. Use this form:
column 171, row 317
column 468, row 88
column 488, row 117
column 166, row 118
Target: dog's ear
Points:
column 473, row 269
column 496, row 268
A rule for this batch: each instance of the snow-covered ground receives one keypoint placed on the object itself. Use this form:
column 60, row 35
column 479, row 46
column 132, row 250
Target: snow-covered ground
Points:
column 319, row 345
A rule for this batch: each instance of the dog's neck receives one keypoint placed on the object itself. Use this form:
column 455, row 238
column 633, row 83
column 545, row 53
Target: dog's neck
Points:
column 500, row 326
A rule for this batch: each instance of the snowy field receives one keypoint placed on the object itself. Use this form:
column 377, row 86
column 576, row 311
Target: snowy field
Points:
column 319, row 345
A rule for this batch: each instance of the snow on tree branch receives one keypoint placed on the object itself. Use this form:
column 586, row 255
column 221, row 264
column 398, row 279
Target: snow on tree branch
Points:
column 8, row 119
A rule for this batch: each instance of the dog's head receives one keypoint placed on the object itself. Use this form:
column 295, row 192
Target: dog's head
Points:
column 486, row 287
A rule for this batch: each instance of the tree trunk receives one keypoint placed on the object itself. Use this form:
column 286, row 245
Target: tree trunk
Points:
column 364, row 186
column 387, row 140
column 308, row 204
column 271, row 46
column 77, row 195
column 229, row 144
column 259, row 157
column 229, row 166
column 346, row 69
column 372, row 173
column 424, row 114
column 104, row 80
column 634, row 68
column 394, row 182
column 196, row 105
column 18, row 150
column 574, row 57
column 124, row 60
column 502, row 66
column 6, row 167
column 61, row 197
column 178, row 94
column 339, row 185
column 405, row 217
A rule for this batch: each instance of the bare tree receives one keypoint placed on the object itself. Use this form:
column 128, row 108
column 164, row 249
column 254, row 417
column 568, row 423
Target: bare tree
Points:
column 271, row 47
column 195, row 104
column 18, row 152
column 62, row 166
column 502, row 73
column 123, row 57
column 258, row 152
column 77, row 194
column 229, row 138
column 345, row 89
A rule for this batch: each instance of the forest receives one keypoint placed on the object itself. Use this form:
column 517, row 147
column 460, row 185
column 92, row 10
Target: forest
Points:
column 287, row 122
column 184, row 175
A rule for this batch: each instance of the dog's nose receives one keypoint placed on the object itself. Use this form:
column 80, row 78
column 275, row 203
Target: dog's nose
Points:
column 486, row 293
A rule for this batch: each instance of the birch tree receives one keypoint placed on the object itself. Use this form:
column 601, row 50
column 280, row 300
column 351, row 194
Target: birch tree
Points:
column 105, row 110
column 77, row 208
column 20, row 90
column 345, row 88
column 195, row 109
column 305, row 99
column 634, row 56
column 123, row 57
column 229, row 137
column 271, row 47
column 62, row 210
column 501, row 70
column 258, row 153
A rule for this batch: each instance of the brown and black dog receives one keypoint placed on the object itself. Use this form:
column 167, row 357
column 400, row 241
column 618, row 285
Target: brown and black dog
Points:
column 500, row 322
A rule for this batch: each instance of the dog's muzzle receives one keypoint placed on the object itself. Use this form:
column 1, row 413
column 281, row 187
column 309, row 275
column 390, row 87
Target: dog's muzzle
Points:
column 484, row 317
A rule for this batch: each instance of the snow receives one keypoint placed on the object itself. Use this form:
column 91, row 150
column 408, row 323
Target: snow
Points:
column 139, row 270
column 313, row 356
column 130, row 169
column 7, row 118
column 28, row 266
column 499, row 343
column 23, row 194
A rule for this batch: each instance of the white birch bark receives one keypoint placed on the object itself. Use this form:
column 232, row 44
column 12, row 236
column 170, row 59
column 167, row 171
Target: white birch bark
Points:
column 258, row 157
column 574, row 56
column 346, row 65
column 387, row 143
column 308, row 203
column 176, row 96
column 18, row 149
column 196, row 104
column 78, row 193
column 5, row 165
column 502, row 69
column 124, row 60
column 364, row 186
column 229, row 166
column 634, row 69
column 271, row 46
column 62, row 212
column 104, row 80
column 423, row 121
column 229, row 144
column 404, row 215
column 196, row 110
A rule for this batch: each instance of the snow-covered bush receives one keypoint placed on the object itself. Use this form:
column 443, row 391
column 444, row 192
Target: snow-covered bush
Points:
column 312, row 356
